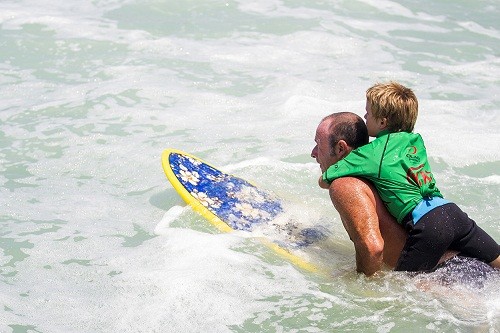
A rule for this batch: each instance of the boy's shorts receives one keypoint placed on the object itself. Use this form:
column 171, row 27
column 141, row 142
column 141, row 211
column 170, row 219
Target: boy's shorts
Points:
column 445, row 227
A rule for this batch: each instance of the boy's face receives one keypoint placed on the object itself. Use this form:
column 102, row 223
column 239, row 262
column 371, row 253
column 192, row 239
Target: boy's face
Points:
column 373, row 124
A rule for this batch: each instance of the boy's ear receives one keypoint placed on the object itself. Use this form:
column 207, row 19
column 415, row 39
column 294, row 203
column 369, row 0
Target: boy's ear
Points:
column 383, row 123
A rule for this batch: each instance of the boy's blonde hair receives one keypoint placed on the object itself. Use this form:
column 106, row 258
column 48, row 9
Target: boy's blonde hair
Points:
column 396, row 103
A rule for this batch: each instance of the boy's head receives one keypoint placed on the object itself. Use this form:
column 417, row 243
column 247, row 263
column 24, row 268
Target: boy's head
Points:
column 393, row 102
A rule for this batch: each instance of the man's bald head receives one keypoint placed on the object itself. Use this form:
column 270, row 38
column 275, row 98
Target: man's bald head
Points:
column 346, row 126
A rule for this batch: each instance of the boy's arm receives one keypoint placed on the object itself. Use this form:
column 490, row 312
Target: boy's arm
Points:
column 323, row 184
column 362, row 162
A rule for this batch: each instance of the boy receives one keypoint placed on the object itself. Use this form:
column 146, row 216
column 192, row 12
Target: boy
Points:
column 396, row 163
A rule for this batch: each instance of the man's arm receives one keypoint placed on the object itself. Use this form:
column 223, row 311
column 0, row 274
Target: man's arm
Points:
column 377, row 238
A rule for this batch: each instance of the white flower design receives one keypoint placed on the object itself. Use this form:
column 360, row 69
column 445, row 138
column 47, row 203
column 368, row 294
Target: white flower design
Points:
column 248, row 210
column 203, row 198
column 193, row 161
column 249, row 193
column 216, row 202
column 216, row 179
column 187, row 176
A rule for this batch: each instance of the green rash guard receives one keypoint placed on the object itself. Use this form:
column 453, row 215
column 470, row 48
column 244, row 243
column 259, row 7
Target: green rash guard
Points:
column 396, row 163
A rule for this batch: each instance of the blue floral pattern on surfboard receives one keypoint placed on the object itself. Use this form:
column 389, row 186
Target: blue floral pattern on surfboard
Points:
column 234, row 200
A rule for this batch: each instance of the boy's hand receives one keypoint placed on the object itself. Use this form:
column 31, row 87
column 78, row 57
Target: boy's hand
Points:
column 322, row 183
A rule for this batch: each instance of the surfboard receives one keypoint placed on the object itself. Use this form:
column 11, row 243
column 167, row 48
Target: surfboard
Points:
column 232, row 203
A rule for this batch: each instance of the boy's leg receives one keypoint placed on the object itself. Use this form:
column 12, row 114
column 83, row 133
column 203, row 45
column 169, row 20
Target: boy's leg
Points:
column 445, row 227
column 474, row 241
column 427, row 241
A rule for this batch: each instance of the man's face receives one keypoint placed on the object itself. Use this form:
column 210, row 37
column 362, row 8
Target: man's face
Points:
column 321, row 151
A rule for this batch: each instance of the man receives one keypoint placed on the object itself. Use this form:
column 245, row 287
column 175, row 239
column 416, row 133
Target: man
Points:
column 378, row 239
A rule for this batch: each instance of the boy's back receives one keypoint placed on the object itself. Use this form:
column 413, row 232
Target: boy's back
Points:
column 396, row 163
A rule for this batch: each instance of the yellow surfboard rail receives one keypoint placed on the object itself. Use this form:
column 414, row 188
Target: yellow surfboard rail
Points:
column 216, row 221
column 185, row 195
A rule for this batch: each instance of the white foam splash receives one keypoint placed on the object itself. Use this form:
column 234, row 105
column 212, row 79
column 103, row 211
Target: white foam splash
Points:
column 173, row 213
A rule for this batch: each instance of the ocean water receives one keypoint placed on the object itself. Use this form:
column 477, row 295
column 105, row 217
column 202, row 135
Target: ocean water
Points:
column 94, row 239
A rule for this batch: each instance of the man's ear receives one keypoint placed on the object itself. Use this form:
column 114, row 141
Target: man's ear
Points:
column 342, row 149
